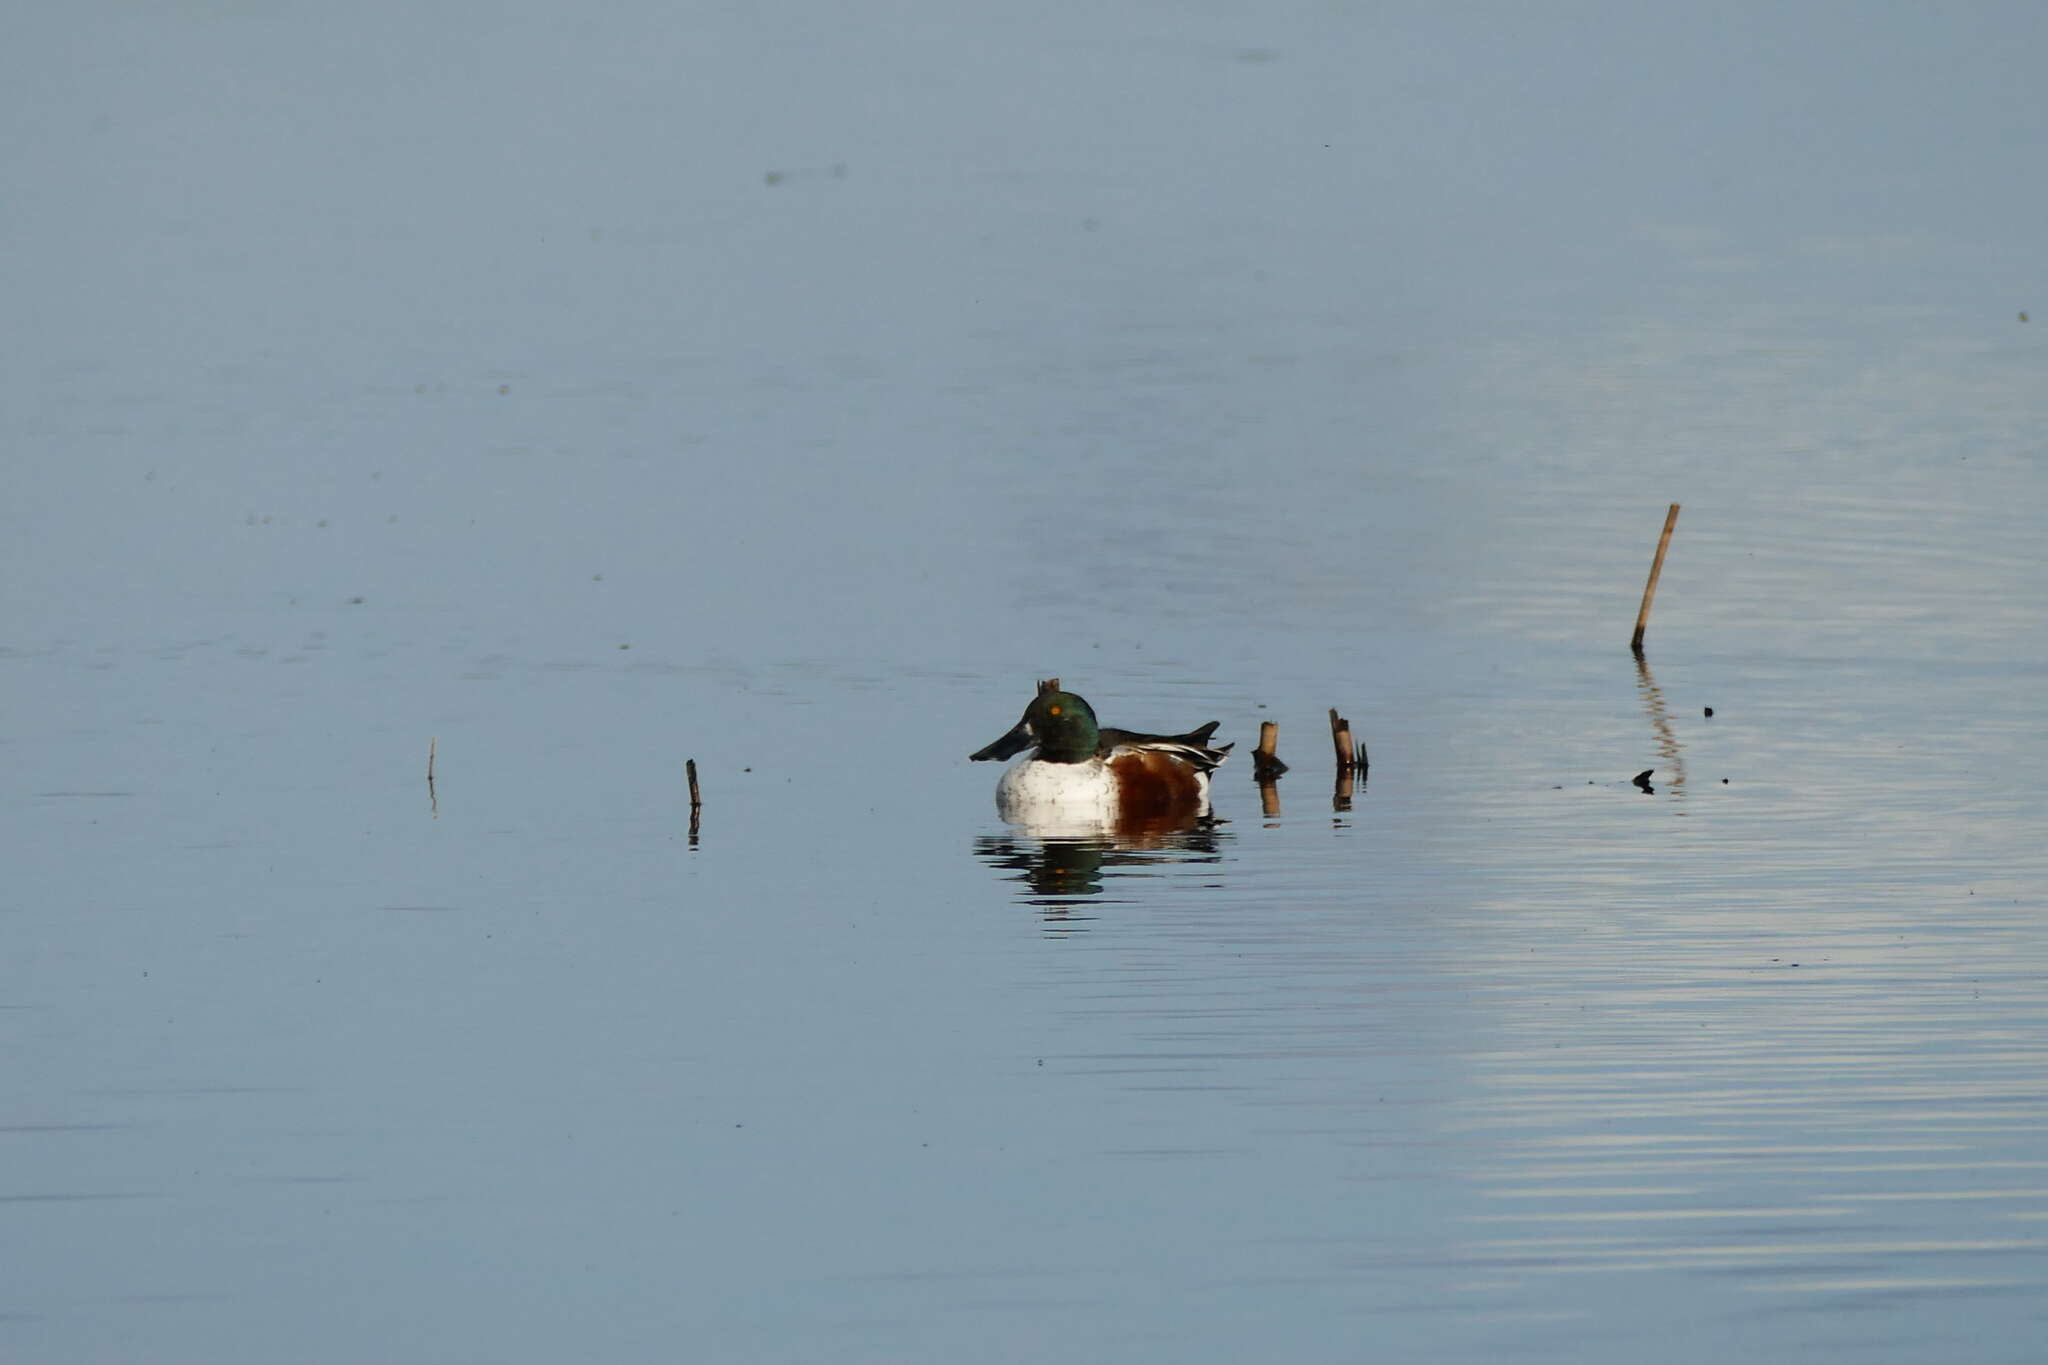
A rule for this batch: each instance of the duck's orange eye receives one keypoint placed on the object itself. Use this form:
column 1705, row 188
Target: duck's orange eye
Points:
column 1052, row 710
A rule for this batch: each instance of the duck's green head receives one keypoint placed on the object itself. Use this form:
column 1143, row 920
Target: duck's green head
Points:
column 1061, row 725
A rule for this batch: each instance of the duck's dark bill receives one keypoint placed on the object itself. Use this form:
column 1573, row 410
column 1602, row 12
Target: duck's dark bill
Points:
column 1016, row 742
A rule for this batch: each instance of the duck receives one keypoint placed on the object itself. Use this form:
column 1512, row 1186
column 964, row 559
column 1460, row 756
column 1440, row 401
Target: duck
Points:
column 1079, row 767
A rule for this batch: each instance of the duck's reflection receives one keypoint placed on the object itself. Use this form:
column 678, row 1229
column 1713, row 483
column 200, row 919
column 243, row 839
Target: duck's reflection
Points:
column 1062, row 867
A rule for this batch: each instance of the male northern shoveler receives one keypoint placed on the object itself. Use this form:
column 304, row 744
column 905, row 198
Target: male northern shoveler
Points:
column 1082, row 766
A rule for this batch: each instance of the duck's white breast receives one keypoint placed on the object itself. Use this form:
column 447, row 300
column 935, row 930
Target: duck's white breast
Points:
column 1031, row 784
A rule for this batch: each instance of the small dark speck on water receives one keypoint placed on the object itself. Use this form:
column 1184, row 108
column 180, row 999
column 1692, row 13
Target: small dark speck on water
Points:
column 625, row 646
column 746, row 770
column 1710, row 712
column 1724, row 781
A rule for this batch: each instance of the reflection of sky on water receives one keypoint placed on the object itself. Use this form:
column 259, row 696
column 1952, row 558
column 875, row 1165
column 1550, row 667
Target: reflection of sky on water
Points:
column 1803, row 453
column 1227, row 364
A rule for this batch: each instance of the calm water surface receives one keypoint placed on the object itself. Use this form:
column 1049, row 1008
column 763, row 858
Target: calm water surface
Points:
column 805, row 464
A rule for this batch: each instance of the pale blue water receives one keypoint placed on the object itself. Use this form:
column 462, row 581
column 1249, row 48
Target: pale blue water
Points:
column 789, row 393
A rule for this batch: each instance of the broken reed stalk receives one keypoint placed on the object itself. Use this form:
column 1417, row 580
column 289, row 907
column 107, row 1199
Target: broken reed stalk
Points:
column 1347, row 766
column 690, row 768
column 1650, row 589
column 431, row 742
column 1266, row 764
column 1340, row 736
